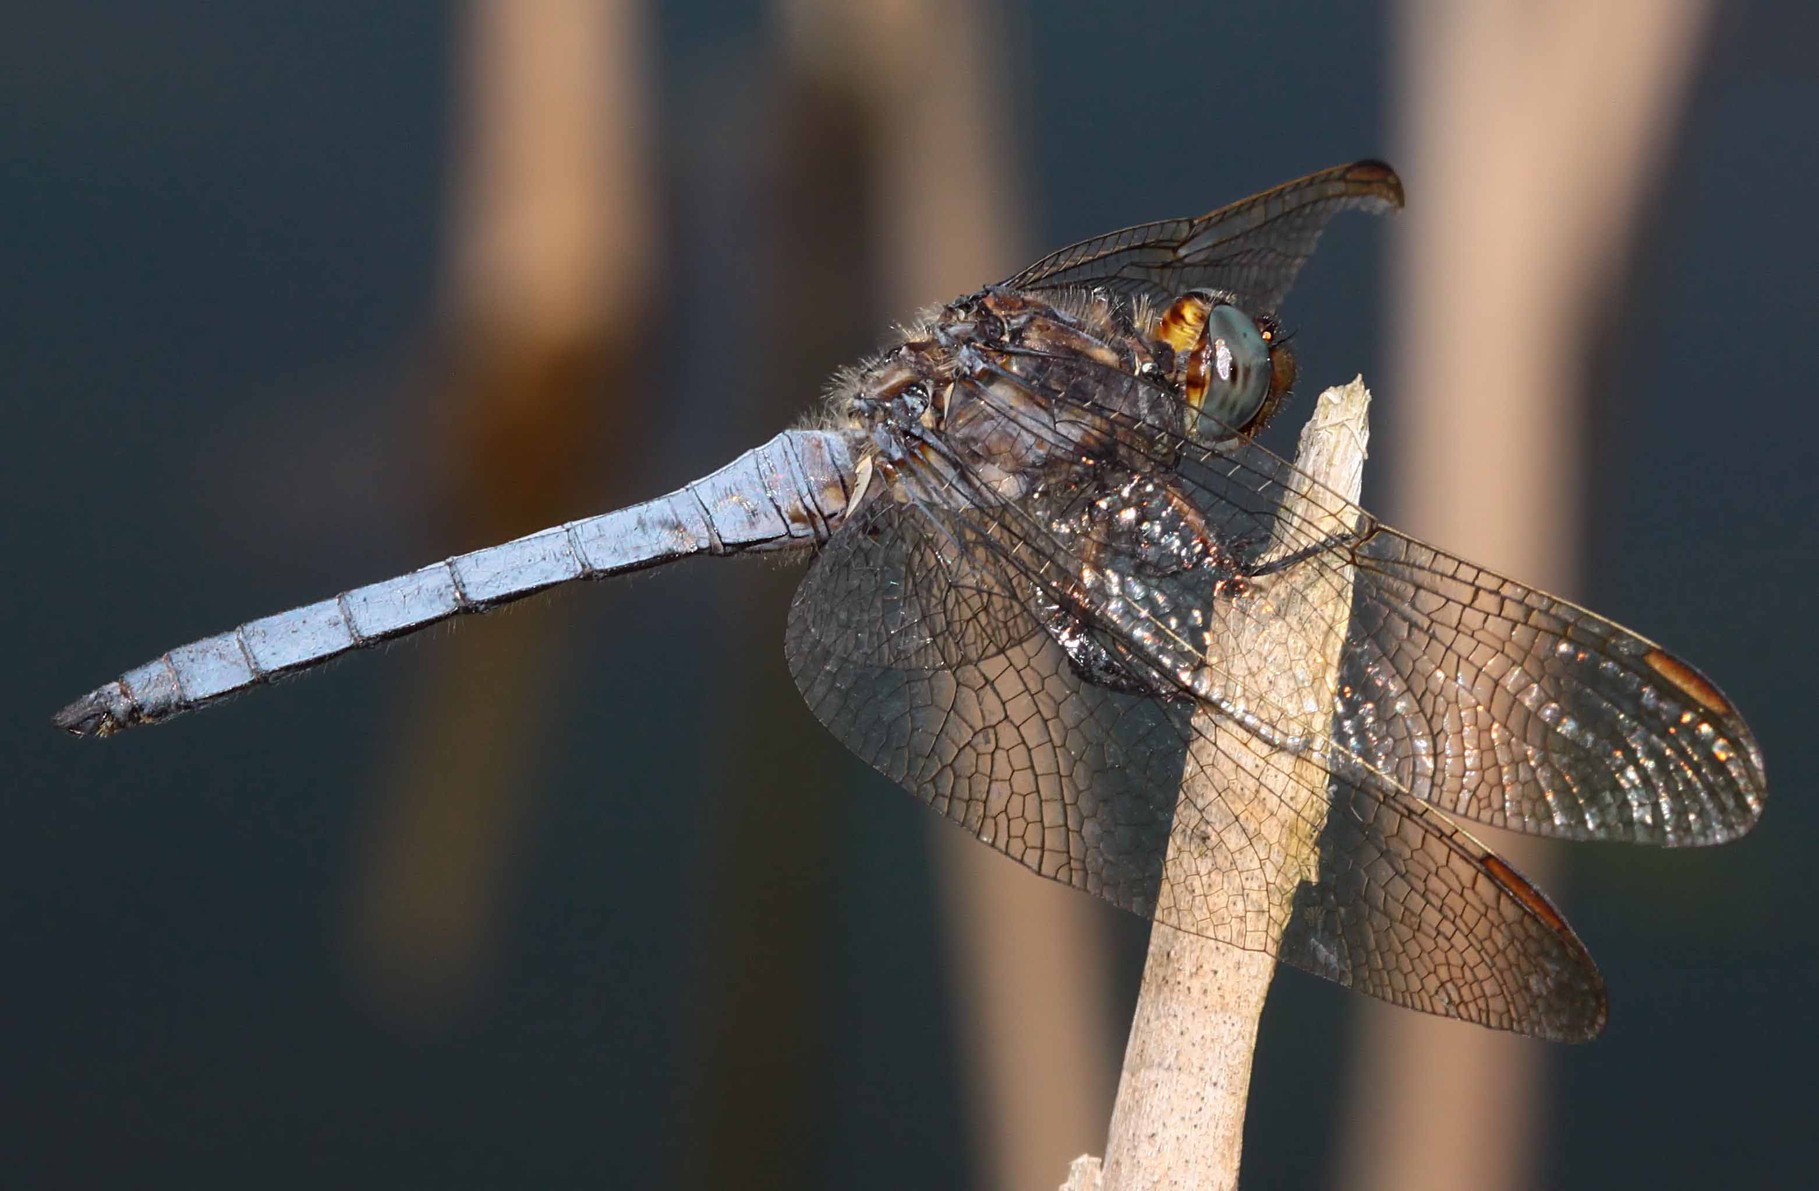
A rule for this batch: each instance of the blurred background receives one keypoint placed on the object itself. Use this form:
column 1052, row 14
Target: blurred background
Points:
column 299, row 297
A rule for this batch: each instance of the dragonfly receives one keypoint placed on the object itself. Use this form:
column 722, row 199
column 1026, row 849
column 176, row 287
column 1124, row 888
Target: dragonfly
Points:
column 1039, row 527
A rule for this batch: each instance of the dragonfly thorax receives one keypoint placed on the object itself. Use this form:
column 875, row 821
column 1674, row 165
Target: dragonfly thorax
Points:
column 967, row 385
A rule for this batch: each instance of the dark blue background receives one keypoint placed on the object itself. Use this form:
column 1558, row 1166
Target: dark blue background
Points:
column 221, row 229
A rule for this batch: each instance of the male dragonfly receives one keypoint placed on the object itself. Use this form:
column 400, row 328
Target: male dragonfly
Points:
column 1031, row 525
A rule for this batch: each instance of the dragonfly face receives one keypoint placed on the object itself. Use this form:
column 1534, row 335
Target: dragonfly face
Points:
column 1041, row 526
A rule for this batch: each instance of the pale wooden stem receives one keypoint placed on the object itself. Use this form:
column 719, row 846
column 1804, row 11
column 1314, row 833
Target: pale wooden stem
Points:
column 1179, row 1119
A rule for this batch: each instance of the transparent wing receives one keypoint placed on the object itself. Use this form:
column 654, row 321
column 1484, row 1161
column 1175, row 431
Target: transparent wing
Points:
column 920, row 657
column 1476, row 693
column 1413, row 910
column 1252, row 248
column 918, row 639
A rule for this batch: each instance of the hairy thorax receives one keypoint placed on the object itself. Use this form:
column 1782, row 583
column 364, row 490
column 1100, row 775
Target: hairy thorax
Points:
column 978, row 377
column 1047, row 429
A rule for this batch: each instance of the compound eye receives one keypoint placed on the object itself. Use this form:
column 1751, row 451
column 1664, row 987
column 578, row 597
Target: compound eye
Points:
column 1238, row 372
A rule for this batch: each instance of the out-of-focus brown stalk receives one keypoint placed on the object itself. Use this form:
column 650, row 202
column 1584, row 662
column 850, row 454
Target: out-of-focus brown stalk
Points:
column 879, row 170
column 763, row 999
column 1029, row 964
column 1530, row 131
column 1030, row 968
column 548, row 267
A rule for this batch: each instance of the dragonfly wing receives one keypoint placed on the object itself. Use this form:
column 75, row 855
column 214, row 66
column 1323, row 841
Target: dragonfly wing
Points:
column 1251, row 249
column 919, row 656
column 1485, row 697
column 920, row 638
column 1409, row 908
column 1506, row 705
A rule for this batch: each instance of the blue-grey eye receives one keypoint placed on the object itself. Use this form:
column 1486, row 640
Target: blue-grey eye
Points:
column 1234, row 368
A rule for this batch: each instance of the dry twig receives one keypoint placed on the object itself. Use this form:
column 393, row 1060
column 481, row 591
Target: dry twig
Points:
column 1179, row 1120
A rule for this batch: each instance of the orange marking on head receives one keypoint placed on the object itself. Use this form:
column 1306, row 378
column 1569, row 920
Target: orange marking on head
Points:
column 1183, row 328
column 1690, row 682
column 1518, row 887
column 1181, row 324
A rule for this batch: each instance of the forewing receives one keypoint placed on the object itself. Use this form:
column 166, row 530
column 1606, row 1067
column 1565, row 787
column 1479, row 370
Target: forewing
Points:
column 1252, row 248
column 1476, row 693
column 1503, row 704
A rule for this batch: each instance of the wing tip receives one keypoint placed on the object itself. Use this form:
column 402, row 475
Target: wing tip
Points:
column 1576, row 1031
column 1379, row 181
column 1579, row 1007
column 1729, row 741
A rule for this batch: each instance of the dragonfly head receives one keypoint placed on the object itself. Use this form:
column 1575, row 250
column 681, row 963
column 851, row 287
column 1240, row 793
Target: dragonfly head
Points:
column 1233, row 369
